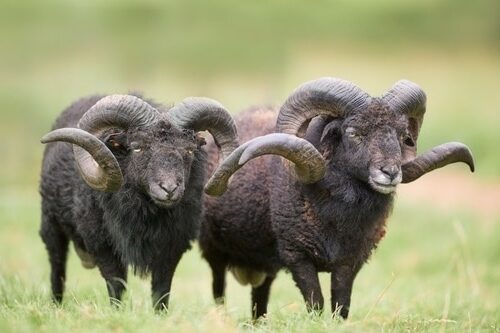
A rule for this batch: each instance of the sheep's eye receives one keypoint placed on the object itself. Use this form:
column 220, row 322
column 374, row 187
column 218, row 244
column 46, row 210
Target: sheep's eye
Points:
column 351, row 133
column 189, row 151
column 135, row 147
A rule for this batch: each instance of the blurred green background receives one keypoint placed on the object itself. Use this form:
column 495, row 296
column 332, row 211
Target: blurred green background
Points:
column 245, row 53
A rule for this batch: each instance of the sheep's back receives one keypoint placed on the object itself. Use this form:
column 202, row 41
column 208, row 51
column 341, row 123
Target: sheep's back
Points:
column 238, row 222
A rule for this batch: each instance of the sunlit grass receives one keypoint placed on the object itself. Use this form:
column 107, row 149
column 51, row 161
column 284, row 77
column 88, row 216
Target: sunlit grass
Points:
column 434, row 271
column 437, row 270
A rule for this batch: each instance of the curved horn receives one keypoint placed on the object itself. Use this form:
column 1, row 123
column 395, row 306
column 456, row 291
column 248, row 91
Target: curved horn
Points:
column 315, row 129
column 325, row 96
column 200, row 114
column 118, row 111
column 408, row 98
column 106, row 174
column 309, row 164
column 435, row 158
column 96, row 162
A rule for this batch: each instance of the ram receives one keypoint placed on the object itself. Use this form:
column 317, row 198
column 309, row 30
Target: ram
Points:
column 124, row 183
column 327, row 212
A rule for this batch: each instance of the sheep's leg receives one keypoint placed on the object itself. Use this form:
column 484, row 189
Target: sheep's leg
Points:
column 218, row 280
column 162, row 281
column 305, row 276
column 56, row 243
column 114, row 273
column 342, row 279
column 260, row 297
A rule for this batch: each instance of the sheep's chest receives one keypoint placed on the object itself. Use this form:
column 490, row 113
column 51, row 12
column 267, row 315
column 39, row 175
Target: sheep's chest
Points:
column 144, row 235
column 339, row 234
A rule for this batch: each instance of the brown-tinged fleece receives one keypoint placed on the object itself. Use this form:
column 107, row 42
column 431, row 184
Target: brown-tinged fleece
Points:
column 270, row 219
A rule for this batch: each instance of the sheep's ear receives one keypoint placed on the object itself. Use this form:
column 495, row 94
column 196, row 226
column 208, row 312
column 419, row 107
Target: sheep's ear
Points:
column 200, row 140
column 116, row 142
column 331, row 131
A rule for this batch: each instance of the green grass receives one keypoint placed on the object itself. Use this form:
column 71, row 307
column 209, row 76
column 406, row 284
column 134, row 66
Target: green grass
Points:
column 434, row 271
column 246, row 54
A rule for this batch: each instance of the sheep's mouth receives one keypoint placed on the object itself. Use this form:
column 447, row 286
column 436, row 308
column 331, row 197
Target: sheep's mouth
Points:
column 165, row 203
column 163, row 200
column 383, row 188
column 384, row 183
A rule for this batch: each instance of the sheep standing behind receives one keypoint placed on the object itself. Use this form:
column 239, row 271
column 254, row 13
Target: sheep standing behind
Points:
column 328, row 212
column 128, row 191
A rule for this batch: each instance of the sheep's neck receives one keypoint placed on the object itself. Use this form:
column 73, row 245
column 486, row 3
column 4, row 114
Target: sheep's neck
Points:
column 348, row 211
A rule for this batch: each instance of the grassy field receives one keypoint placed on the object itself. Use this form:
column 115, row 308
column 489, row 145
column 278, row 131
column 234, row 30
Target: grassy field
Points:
column 435, row 271
column 58, row 51
column 438, row 269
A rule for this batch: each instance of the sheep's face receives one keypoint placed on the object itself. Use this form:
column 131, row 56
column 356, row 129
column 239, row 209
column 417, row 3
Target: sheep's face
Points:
column 157, row 160
column 369, row 145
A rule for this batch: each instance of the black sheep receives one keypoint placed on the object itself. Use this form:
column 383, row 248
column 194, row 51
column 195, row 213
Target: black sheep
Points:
column 129, row 189
column 328, row 212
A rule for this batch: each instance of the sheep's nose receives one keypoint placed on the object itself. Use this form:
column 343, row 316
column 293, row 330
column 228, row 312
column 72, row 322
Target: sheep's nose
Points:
column 169, row 188
column 391, row 171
